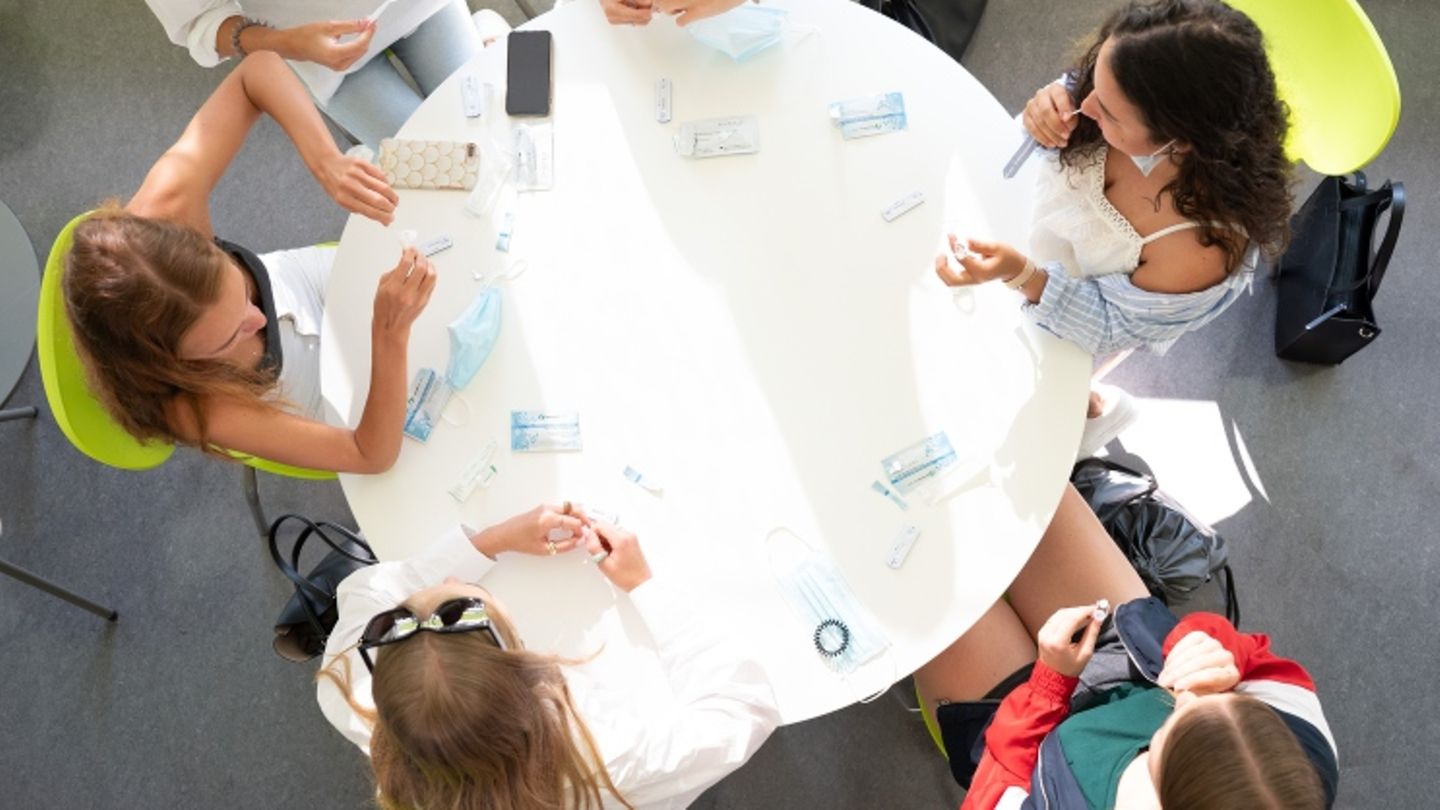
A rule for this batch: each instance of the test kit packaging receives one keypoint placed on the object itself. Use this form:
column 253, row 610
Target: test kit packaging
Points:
column 534, row 146
column 477, row 474
column 912, row 468
column 717, row 137
column 475, row 96
column 869, row 115
column 663, row 101
column 428, row 395
column 544, row 431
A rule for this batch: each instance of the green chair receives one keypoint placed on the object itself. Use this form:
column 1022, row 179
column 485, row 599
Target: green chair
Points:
column 930, row 724
column 84, row 420
column 1333, row 71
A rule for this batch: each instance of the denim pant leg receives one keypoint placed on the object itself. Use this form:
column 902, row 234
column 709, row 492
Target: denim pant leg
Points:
column 373, row 102
column 439, row 47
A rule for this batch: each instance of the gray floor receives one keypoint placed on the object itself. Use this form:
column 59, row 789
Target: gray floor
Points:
column 182, row 703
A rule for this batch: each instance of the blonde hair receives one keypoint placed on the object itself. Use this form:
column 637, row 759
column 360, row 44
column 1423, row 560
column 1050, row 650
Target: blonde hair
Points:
column 133, row 287
column 460, row 724
column 1235, row 752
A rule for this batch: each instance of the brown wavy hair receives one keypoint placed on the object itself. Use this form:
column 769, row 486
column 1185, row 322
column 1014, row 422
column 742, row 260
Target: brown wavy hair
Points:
column 133, row 286
column 1235, row 752
column 460, row 724
column 1198, row 73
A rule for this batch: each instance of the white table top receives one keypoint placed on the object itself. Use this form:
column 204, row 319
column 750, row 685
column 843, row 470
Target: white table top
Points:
column 747, row 330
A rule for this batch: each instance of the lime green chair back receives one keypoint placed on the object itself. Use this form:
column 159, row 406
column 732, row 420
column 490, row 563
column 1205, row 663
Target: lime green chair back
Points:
column 930, row 725
column 81, row 417
column 79, row 414
column 276, row 468
column 1333, row 71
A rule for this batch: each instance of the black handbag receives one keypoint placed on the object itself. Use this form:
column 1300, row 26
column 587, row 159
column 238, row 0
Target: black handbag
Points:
column 1328, row 278
column 948, row 24
column 311, row 613
column 1173, row 552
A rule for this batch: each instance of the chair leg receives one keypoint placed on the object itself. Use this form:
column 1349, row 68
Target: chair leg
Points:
column 252, row 497
column 51, row 588
column 29, row 411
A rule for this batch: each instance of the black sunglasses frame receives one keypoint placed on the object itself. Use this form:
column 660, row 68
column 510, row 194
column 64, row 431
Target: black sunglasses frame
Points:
column 433, row 623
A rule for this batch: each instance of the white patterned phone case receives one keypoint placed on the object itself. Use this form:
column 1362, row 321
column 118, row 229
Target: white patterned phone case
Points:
column 430, row 164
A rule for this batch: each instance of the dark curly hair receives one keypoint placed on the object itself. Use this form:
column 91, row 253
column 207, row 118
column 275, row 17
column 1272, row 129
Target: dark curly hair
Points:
column 1197, row 72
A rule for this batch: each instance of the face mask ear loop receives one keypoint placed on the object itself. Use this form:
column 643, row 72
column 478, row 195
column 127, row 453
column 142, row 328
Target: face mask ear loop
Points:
column 889, row 656
column 516, row 269
column 456, row 396
column 795, row 34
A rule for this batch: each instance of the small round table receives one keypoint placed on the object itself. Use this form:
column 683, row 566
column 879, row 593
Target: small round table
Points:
column 19, row 297
column 19, row 301
column 747, row 331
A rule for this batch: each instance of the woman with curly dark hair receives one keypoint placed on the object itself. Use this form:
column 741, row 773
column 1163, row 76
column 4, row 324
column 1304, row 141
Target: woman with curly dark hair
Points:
column 1136, row 251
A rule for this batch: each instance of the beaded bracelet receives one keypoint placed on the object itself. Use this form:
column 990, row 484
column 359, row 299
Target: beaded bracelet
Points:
column 245, row 22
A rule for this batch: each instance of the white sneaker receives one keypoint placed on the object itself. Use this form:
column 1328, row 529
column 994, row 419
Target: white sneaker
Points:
column 489, row 25
column 1120, row 412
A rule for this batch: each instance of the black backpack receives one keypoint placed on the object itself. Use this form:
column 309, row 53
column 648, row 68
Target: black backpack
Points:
column 1174, row 553
column 949, row 24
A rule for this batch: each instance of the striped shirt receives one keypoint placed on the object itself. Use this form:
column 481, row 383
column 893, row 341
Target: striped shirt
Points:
column 1107, row 314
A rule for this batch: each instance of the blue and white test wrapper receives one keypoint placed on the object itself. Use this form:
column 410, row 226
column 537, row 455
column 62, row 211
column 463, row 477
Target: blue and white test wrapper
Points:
column 544, row 431
column 908, row 469
column 870, row 115
column 428, row 395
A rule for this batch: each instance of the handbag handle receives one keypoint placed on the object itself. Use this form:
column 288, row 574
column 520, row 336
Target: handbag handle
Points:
column 1391, row 196
column 290, row 568
column 1392, row 234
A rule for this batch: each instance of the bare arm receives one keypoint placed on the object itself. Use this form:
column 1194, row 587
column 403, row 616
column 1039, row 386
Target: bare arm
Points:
column 179, row 185
column 317, row 42
column 374, row 444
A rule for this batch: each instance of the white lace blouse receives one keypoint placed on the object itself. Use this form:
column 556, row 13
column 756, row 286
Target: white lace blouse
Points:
column 1089, row 250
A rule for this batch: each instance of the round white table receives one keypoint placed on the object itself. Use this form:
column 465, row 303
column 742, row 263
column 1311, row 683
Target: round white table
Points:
column 746, row 330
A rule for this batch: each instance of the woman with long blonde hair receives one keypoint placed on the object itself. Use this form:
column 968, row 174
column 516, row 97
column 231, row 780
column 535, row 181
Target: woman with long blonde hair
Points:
column 424, row 671
column 190, row 339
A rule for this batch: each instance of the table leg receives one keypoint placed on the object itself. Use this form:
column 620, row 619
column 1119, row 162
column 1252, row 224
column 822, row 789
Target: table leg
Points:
column 51, row 588
column 252, row 497
column 19, row 413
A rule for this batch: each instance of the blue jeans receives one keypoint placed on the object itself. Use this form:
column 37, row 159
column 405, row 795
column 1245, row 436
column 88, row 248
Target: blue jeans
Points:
column 374, row 101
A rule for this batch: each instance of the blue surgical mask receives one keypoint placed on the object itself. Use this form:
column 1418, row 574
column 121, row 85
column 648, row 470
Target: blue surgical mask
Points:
column 472, row 336
column 838, row 628
column 742, row 31
column 1148, row 163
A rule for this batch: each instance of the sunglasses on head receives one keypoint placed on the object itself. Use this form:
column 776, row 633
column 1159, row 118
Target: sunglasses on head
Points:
column 461, row 615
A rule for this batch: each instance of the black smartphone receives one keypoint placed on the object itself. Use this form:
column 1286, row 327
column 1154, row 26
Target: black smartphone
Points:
column 527, row 90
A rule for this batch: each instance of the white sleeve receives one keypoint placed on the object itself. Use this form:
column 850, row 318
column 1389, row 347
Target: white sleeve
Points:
column 372, row 590
column 722, row 706
column 194, row 23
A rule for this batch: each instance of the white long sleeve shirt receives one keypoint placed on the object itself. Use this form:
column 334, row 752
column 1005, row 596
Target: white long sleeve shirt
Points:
column 194, row 23
column 661, row 750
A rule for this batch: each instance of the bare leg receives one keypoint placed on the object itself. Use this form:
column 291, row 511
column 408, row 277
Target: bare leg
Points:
column 1076, row 563
column 1097, row 402
column 986, row 654
column 1109, row 364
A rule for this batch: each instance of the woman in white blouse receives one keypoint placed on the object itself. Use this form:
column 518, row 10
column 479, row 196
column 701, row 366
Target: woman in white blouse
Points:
column 425, row 672
column 1169, row 178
